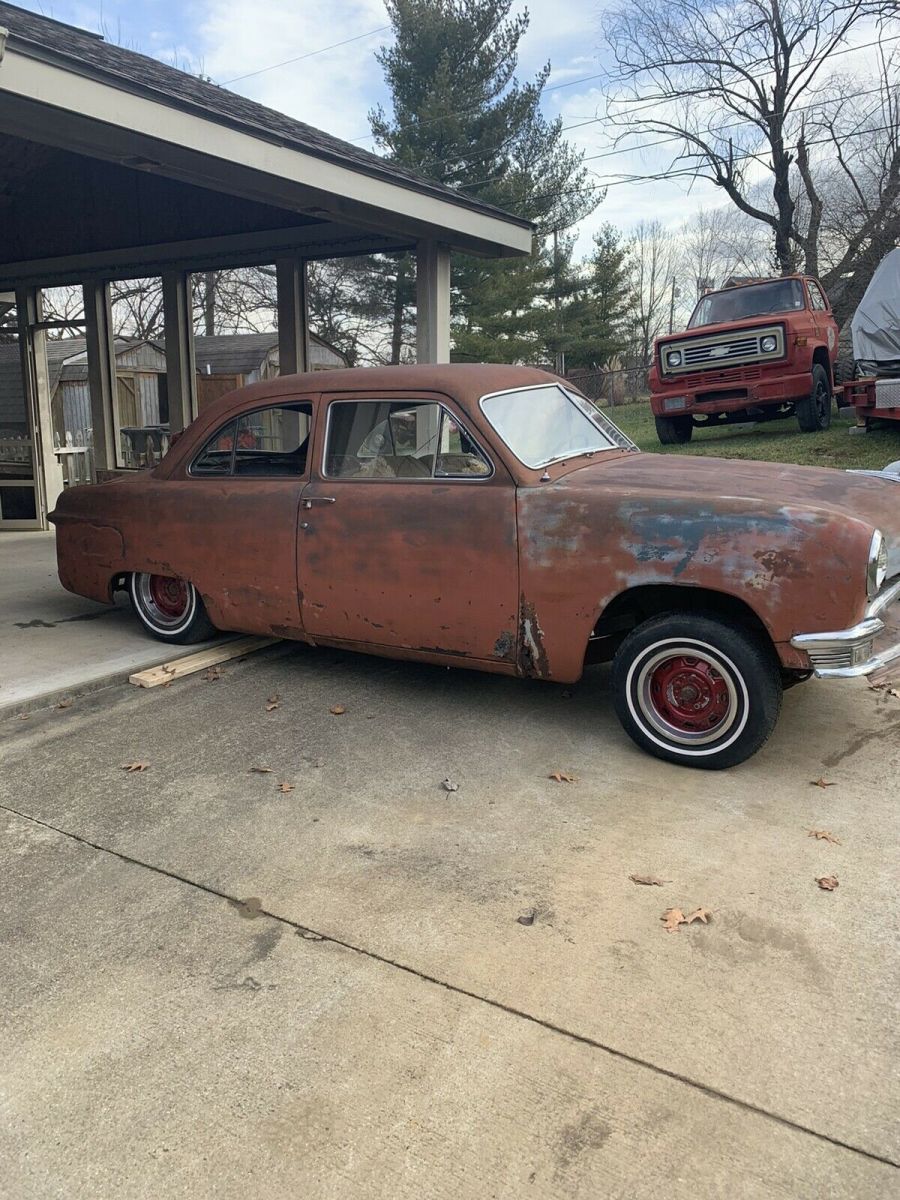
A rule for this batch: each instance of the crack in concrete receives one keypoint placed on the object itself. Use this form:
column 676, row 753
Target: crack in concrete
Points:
column 308, row 933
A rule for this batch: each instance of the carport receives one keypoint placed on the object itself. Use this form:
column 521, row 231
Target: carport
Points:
column 115, row 166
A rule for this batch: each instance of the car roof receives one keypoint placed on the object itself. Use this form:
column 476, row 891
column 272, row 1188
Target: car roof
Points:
column 465, row 382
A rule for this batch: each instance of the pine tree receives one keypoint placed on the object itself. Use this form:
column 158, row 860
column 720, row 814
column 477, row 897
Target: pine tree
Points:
column 461, row 116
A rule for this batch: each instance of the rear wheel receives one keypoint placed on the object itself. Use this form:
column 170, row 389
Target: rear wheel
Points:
column 169, row 608
column 814, row 410
column 674, row 431
column 696, row 690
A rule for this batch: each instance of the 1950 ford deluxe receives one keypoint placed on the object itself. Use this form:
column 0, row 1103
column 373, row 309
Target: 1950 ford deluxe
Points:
column 492, row 517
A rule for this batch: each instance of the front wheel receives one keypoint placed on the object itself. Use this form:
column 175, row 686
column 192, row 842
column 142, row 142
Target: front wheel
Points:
column 674, row 431
column 696, row 690
column 814, row 410
column 170, row 608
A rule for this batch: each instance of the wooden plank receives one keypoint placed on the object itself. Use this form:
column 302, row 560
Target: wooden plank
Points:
column 201, row 659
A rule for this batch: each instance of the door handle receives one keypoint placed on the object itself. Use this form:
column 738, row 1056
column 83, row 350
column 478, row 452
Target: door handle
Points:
column 308, row 502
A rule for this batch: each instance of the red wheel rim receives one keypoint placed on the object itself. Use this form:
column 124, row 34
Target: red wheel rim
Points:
column 689, row 694
column 169, row 595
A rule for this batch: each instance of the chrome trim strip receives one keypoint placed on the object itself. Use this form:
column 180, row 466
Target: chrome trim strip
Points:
column 884, row 599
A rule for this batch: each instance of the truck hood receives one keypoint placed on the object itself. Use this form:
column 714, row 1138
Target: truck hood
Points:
column 730, row 486
column 702, row 331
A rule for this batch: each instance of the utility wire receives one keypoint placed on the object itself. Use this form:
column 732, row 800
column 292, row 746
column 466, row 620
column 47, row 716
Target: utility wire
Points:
column 619, row 180
column 606, row 75
column 300, row 57
column 661, row 141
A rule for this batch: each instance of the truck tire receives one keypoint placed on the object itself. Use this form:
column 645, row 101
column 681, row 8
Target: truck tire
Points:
column 695, row 689
column 674, row 431
column 814, row 410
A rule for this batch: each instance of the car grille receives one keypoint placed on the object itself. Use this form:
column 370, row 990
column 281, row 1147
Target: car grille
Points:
column 734, row 375
column 701, row 354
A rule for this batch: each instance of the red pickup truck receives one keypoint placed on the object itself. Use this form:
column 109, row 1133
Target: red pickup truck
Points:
column 754, row 352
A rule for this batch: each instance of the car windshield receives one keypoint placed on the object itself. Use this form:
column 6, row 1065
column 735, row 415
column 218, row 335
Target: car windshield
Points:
column 757, row 300
column 546, row 423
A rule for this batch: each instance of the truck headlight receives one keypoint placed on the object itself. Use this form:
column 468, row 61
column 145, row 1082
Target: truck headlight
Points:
column 768, row 343
column 673, row 358
column 878, row 564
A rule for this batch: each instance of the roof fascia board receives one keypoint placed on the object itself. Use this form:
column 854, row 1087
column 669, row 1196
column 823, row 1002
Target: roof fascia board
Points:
column 216, row 253
column 65, row 89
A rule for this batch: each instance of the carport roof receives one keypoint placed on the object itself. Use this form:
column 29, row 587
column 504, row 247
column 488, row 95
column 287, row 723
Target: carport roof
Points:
column 87, row 53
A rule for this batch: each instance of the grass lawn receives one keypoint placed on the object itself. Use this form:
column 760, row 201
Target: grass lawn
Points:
column 774, row 441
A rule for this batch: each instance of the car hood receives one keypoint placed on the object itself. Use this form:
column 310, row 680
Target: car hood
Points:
column 712, row 482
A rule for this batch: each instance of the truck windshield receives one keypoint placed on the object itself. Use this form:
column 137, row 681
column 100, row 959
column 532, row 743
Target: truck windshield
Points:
column 545, row 423
column 756, row 300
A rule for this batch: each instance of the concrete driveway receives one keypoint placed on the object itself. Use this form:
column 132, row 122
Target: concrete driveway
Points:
column 214, row 986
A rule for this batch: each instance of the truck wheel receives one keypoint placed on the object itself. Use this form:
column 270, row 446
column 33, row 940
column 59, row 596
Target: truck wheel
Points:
column 696, row 690
column 814, row 410
column 674, row 431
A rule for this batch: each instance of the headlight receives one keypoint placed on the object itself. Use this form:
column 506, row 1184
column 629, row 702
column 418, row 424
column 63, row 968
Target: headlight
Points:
column 878, row 564
column 673, row 358
column 768, row 343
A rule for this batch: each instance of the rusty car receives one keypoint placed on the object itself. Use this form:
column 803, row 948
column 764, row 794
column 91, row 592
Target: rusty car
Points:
column 492, row 517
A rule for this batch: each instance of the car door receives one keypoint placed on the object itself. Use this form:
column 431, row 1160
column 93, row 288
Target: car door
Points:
column 229, row 523
column 408, row 533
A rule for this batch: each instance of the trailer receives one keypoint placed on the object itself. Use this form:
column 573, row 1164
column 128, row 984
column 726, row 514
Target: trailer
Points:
column 874, row 390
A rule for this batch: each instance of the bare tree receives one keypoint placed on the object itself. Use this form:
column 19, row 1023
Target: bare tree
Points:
column 742, row 87
column 651, row 263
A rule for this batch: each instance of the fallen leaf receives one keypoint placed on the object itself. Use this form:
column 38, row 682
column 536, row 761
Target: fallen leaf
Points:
column 261, row 770
column 527, row 917
column 273, row 702
column 672, row 918
column 64, row 704
column 893, row 692
column 136, row 767
column 337, row 710
column 449, row 786
column 827, row 883
column 213, row 674
column 285, row 787
column 310, row 935
column 251, row 907
column 823, row 835
column 699, row 914
column 648, row 880
column 822, row 783
column 562, row 777
column 24, row 716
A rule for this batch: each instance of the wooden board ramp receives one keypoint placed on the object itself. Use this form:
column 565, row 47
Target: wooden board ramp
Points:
column 199, row 661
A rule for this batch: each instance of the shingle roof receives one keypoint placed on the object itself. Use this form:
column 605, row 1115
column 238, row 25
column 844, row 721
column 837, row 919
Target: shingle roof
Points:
column 88, row 53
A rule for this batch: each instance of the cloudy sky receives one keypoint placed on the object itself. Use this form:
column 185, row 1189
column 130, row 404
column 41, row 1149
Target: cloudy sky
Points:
column 236, row 43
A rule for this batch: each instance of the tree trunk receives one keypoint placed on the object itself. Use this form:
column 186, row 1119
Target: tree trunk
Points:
column 209, row 303
column 397, row 319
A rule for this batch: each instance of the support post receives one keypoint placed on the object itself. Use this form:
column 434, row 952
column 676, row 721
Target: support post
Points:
column 432, row 303
column 293, row 316
column 101, row 357
column 48, row 475
column 181, row 370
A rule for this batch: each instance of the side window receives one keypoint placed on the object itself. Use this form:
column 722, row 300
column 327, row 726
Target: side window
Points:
column 394, row 439
column 815, row 296
column 273, row 441
column 266, row 442
column 458, row 454
column 215, row 457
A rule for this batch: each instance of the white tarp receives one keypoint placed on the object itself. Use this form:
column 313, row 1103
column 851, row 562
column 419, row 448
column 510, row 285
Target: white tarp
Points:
column 876, row 323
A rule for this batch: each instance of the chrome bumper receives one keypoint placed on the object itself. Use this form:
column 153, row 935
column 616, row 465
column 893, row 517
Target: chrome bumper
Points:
column 849, row 653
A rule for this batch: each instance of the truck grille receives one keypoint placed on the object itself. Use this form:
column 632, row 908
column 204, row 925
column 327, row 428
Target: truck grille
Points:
column 703, row 354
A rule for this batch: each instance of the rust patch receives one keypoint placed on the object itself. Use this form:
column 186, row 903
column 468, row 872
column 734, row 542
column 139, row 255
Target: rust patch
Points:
column 780, row 564
column 532, row 655
column 504, row 647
